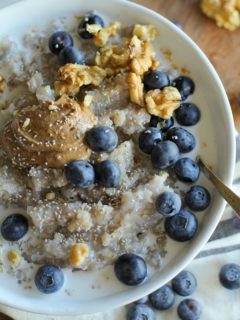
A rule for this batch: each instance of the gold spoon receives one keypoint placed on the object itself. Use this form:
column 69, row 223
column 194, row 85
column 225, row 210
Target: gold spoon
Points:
column 232, row 199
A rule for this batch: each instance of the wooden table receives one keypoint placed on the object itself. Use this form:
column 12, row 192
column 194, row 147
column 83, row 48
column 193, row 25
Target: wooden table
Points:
column 221, row 46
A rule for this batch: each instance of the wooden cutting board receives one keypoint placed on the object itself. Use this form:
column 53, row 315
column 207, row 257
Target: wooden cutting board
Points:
column 221, row 46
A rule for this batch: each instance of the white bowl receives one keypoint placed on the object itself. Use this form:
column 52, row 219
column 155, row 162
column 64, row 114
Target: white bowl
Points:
column 216, row 130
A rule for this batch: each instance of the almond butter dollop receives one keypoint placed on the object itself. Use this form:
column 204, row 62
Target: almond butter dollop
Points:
column 50, row 134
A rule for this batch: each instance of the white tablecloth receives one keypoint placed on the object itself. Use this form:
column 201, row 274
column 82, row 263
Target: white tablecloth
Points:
column 217, row 302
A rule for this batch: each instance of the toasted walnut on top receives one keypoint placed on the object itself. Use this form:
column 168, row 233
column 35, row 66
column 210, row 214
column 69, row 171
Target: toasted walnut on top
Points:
column 142, row 54
column 102, row 35
column 72, row 77
column 114, row 59
column 145, row 32
column 163, row 102
column 135, row 88
column 226, row 13
column 2, row 84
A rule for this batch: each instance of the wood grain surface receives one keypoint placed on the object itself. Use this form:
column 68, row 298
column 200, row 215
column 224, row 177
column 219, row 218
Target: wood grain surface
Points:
column 221, row 46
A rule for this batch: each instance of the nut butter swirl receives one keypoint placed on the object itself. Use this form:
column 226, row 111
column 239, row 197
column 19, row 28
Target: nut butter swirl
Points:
column 50, row 134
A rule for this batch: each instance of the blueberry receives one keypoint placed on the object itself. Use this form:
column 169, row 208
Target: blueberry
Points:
column 102, row 138
column 165, row 124
column 71, row 55
column 188, row 114
column 189, row 309
column 184, row 283
column 163, row 298
column 107, row 174
column 185, row 86
column 229, row 276
column 185, row 141
column 168, row 203
column 80, row 173
column 155, row 80
column 164, row 155
column 153, row 121
column 49, row 279
column 140, row 312
column 130, row 269
column 14, row 227
column 187, row 170
column 89, row 19
column 148, row 138
column 197, row 198
column 59, row 40
column 181, row 227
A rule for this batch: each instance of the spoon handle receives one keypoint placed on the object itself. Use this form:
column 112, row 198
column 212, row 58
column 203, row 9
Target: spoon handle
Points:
column 232, row 199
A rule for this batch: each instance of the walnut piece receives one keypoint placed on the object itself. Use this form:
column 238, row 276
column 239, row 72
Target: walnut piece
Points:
column 163, row 102
column 79, row 252
column 102, row 35
column 2, row 84
column 135, row 88
column 142, row 54
column 136, row 55
column 14, row 258
column 145, row 32
column 226, row 13
column 71, row 77
column 113, row 59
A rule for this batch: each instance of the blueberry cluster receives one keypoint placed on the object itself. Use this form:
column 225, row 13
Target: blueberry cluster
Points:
column 165, row 143
column 84, row 174
column 61, row 42
column 184, row 284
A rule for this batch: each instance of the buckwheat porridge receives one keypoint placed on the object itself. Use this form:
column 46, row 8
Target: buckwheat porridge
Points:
column 87, row 143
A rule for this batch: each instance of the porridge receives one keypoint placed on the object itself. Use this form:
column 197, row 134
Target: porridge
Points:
column 87, row 145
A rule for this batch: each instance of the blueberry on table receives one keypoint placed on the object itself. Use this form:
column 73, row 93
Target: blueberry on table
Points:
column 165, row 124
column 229, row 276
column 49, row 279
column 188, row 114
column 102, row 138
column 164, row 155
column 181, row 227
column 71, row 55
column 80, row 173
column 197, row 198
column 155, row 80
column 14, row 227
column 189, row 309
column 130, row 269
column 184, row 283
column 163, row 298
column 89, row 19
column 140, row 312
column 185, row 86
column 59, row 40
column 168, row 204
column 187, row 170
column 185, row 141
column 148, row 138
column 108, row 174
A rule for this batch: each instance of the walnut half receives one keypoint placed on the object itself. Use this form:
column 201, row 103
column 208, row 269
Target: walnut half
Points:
column 72, row 77
column 135, row 88
column 163, row 102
